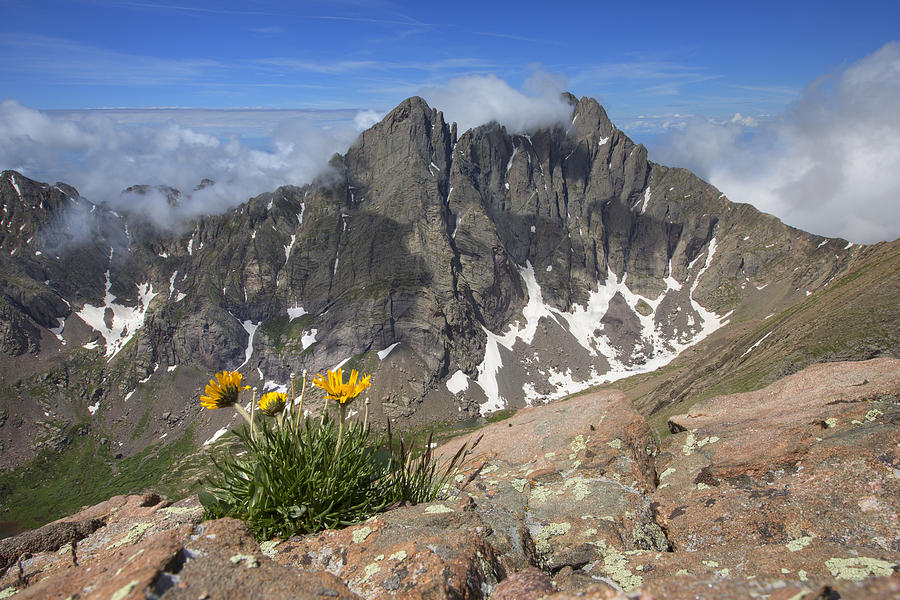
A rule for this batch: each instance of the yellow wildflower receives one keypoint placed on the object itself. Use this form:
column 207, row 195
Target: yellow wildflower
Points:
column 223, row 390
column 336, row 389
column 272, row 403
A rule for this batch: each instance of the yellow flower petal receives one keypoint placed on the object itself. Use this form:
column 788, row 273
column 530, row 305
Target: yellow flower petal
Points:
column 223, row 390
column 336, row 389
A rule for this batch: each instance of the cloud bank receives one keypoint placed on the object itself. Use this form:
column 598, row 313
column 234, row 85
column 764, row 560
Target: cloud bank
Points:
column 828, row 165
column 479, row 99
column 101, row 156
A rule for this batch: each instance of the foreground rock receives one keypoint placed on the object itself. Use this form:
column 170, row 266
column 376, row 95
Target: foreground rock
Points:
column 788, row 492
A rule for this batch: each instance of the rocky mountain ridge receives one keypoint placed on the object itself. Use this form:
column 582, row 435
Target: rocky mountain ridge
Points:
column 469, row 271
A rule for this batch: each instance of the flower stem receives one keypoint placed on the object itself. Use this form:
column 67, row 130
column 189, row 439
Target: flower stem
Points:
column 366, row 418
column 337, row 448
column 242, row 412
column 300, row 411
column 252, row 414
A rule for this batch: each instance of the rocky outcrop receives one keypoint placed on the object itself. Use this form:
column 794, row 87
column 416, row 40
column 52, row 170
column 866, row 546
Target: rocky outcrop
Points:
column 787, row 492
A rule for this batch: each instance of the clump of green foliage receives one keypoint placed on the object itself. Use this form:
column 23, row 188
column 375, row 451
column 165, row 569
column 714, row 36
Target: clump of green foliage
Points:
column 296, row 474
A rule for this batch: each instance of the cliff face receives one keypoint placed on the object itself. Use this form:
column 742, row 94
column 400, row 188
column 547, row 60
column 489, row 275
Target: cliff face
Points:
column 470, row 272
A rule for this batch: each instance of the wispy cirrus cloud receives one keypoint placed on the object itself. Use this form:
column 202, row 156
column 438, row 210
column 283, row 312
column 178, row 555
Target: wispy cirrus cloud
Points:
column 67, row 61
column 517, row 38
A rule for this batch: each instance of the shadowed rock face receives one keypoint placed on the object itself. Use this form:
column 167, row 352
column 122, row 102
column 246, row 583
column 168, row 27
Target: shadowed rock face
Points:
column 501, row 270
column 792, row 491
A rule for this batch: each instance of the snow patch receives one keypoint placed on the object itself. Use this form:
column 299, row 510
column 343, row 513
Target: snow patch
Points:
column 216, row 436
column 288, row 247
column 510, row 162
column 758, row 342
column 848, row 246
column 822, row 243
column 300, row 214
column 273, row 386
column 93, row 408
column 490, row 366
column 125, row 320
column 458, row 382
column 308, row 339
column 12, row 180
column 603, row 141
column 384, row 353
column 172, row 368
column 191, row 247
column 295, row 311
column 646, row 200
column 584, row 324
column 57, row 331
column 250, row 327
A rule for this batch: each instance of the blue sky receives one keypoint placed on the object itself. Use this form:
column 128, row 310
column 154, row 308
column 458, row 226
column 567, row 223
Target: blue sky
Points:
column 709, row 58
column 659, row 68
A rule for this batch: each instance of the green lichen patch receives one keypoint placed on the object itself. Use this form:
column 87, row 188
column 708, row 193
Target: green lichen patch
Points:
column 873, row 414
column 542, row 493
column 134, row 534
column 578, row 444
column 616, row 566
column 268, row 548
column 859, row 568
column 124, row 591
column 180, row 510
column 799, row 543
column 650, row 535
column 580, row 487
column 361, row 534
column 371, row 570
column 249, row 560
column 542, row 541
column 437, row 509
column 398, row 556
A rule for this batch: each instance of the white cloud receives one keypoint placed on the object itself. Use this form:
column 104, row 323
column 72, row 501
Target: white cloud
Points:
column 827, row 165
column 101, row 155
column 366, row 118
column 478, row 99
